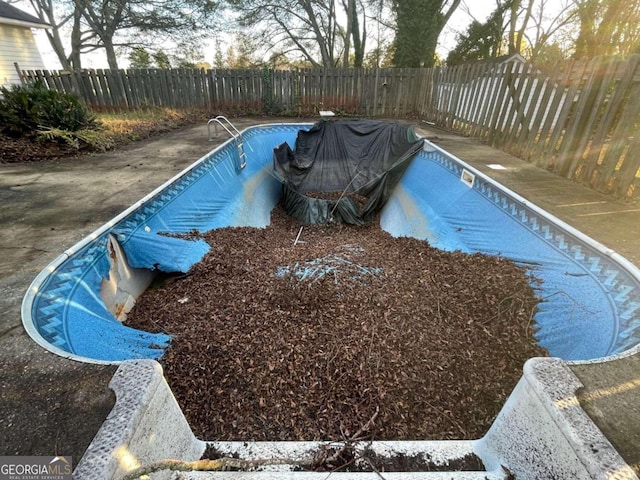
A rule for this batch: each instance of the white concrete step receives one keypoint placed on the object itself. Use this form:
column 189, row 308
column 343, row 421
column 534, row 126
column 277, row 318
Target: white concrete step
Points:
column 434, row 460
column 344, row 476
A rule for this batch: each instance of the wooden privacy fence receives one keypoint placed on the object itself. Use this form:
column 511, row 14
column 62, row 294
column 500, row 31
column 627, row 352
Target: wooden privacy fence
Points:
column 576, row 118
column 387, row 92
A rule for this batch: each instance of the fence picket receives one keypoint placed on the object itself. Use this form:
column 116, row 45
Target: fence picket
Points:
column 519, row 104
column 619, row 144
column 547, row 85
column 558, row 97
column 581, row 117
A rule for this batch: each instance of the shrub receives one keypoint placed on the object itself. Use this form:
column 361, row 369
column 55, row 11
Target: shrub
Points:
column 25, row 109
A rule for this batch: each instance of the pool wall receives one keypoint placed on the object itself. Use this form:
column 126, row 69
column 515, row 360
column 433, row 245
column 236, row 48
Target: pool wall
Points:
column 590, row 296
column 63, row 310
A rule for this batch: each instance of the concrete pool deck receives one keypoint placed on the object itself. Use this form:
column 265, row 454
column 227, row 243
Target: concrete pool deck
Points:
column 55, row 406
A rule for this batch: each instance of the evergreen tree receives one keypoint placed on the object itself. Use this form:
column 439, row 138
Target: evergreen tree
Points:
column 481, row 41
column 139, row 57
column 161, row 59
column 418, row 26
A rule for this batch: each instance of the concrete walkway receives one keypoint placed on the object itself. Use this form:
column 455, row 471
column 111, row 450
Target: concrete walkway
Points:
column 55, row 406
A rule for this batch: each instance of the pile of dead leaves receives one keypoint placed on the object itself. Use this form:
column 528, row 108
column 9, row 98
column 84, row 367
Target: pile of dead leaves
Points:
column 118, row 129
column 31, row 149
column 283, row 334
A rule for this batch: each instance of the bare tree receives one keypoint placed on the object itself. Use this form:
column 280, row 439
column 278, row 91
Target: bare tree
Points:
column 64, row 16
column 482, row 40
column 110, row 21
column 354, row 33
column 546, row 26
column 527, row 27
column 324, row 33
column 108, row 24
column 518, row 22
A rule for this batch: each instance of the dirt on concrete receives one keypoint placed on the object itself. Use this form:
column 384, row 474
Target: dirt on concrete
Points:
column 611, row 397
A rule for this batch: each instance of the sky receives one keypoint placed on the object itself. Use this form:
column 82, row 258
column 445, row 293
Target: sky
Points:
column 479, row 9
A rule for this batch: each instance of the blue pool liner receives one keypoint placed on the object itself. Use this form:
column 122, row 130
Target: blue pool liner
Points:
column 590, row 299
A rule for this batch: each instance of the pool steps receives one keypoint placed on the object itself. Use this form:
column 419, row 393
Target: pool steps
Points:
column 541, row 433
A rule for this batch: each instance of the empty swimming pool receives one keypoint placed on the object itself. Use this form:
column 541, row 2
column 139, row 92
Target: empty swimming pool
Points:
column 590, row 296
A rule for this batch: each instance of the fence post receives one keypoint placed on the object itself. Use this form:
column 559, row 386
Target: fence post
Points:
column 22, row 78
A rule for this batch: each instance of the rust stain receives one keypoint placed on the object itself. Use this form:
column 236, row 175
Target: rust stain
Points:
column 119, row 310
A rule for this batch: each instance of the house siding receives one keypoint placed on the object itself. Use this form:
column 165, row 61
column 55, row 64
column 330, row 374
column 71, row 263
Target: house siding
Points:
column 17, row 44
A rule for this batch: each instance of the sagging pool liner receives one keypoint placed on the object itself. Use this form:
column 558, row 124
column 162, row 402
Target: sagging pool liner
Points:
column 590, row 304
column 366, row 158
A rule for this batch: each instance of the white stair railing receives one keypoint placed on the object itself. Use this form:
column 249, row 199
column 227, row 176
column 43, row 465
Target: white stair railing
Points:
column 233, row 132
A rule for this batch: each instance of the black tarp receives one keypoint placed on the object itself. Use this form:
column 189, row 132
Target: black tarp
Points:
column 343, row 170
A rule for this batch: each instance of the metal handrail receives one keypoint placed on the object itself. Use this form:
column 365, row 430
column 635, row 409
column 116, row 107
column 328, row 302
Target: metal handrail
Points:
column 233, row 132
column 219, row 121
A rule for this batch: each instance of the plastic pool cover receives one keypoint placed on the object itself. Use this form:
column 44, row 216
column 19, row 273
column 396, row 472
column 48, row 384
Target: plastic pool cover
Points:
column 344, row 157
